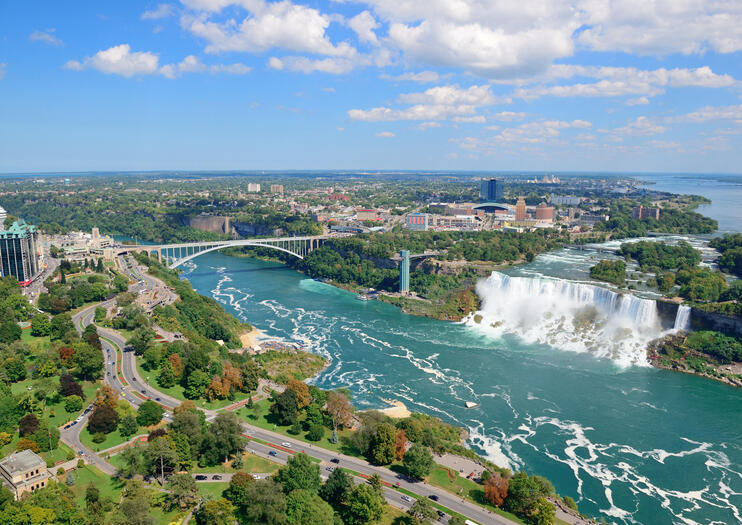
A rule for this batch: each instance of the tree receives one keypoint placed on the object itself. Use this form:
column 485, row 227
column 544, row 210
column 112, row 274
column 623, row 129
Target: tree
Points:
column 92, row 495
column 149, row 413
column 107, row 396
column 418, row 462
column 340, row 409
column 61, row 324
column 238, row 489
column 28, row 425
column 215, row 512
column 128, row 426
column 141, row 339
column 544, row 512
column 103, row 419
column 422, row 511
column 524, row 493
column 160, row 455
column 14, row 369
column 25, row 443
column 300, row 472
column 196, row 384
column 152, row 357
column 302, row 392
column 88, row 362
column 132, row 462
column 134, row 507
column 305, row 507
column 69, row 387
column 223, row 439
column 191, row 423
column 9, row 332
column 496, row 489
column 336, row 489
column 267, row 505
column 183, row 491
column 166, row 379
column 400, row 444
column 73, row 404
column 41, row 325
column 285, row 407
column 382, row 446
column 364, row 505
column 316, row 432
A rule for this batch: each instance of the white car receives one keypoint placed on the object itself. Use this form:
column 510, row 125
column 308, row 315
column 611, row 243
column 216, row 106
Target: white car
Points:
column 285, row 444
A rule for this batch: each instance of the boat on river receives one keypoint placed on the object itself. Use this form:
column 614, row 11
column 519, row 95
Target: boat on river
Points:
column 363, row 297
column 471, row 404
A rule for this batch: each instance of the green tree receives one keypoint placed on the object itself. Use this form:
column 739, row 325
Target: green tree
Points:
column 160, row 455
column 128, row 426
column 61, row 325
column 215, row 512
column 286, row 407
column 300, row 472
column 422, row 511
column 316, row 432
column 304, row 507
column 223, row 439
column 364, row 505
column 166, row 378
column 382, row 446
column 266, row 505
column 134, row 507
column 239, row 488
column 418, row 461
column 151, row 358
column 9, row 332
column 183, row 491
column 336, row 489
column 149, row 413
column 196, row 384
column 73, row 404
column 88, row 361
column 132, row 462
column 141, row 339
column 41, row 325
column 103, row 419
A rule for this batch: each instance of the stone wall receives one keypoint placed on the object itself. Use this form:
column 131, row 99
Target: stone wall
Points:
column 700, row 320
column 211, row 223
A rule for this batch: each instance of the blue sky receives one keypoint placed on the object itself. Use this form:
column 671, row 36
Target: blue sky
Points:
column 622, row 85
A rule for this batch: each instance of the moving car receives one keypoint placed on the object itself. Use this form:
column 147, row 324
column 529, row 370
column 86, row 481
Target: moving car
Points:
column 285, row 444
column 433, row 497
column 406, row 497
column 273, row 453
column 334, row 460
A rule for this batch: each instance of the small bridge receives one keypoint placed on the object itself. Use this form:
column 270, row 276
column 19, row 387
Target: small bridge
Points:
column 177, row 254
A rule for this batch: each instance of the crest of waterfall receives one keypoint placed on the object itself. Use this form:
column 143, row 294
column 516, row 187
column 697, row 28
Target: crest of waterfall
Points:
column 569, row 315
column 682, row 318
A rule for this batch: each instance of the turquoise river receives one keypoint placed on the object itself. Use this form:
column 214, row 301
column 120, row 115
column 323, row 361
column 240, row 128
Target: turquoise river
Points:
column 555, row 365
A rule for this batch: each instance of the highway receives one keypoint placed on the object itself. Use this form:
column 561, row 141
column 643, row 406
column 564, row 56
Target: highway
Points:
column 279, row 447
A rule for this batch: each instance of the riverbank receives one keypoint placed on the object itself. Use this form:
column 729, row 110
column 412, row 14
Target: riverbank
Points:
column 673, row 353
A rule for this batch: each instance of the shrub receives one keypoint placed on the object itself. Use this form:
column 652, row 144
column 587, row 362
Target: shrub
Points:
column 99, row 437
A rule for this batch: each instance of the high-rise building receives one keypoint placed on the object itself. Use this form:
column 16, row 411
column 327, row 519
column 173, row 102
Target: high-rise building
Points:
column 253, row 188
column 3, row 216
column 492, row 190
column 277, row 188
column 404, row 272
column 520, row 209
column 19, row 252
column 640, row 212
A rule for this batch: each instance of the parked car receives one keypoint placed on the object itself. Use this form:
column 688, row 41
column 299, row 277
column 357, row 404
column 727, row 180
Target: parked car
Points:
column 329, row 469
column 441, row 514
column 200, row 477
column 216, row 476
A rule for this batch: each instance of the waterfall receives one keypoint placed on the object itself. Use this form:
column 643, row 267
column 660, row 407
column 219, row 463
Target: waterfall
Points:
column 568, row 315
column 682, row 318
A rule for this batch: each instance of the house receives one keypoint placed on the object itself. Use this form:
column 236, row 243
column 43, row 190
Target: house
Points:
column 23, row 472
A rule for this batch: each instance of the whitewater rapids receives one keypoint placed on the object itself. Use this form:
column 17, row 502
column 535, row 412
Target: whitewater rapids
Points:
column 571, row 316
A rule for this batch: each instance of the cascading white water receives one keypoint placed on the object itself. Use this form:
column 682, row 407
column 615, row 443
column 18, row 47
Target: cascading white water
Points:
column 568, row 315
column 682, row 318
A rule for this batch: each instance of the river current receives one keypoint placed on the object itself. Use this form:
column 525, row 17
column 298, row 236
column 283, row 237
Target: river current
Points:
column 632, row 444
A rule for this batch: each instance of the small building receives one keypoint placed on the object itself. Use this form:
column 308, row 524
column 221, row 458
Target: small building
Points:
column 564, row 200
column 640, row 212
column 338, row 197
column 24, row 472
column 544, row 213
column 590, row 219
column 417, row 221
column 366, row 214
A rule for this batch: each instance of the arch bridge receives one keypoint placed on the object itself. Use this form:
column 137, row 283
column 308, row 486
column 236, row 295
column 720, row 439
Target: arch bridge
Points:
column 177, row 254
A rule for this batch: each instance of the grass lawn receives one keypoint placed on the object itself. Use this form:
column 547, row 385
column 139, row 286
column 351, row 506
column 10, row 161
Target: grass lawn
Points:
column 267, row 421
column 109, row 487
column 58, row 455
column 251, row 463
column 176, row 390
column 34, row 342
column 393, row 516
column 112, row 439
column 212, row 490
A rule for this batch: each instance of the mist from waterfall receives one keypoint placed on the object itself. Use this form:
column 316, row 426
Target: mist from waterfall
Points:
column 568, row 315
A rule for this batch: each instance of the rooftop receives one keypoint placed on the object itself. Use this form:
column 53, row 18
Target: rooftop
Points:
column 21, row 461
column 19, row 227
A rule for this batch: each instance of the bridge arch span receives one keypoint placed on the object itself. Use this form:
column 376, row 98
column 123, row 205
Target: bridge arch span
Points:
column 192, row 256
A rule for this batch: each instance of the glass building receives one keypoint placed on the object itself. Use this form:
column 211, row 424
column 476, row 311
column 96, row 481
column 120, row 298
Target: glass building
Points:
column 492, row 190
column 19, row 252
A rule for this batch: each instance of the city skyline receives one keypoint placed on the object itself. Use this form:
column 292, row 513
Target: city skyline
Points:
column 254, row 84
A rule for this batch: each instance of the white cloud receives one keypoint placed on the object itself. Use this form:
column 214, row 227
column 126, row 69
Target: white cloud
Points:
column 661, row 27
column 281, row 25
column 427, row 125
column 161, row 11
column 537, row 132
column 119, row 60
column 640, row 101
column 642, row 127
column 385, row 134
column 364, row 24
column 46, row 37
column 436, row 103
column 423, row 77
column 329, row 89
column 335, row 66
column 710, row 113
column 508, row 116
column 474, row 119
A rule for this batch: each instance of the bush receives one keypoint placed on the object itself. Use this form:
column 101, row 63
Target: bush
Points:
column 60, row 471
column 99, row 437
column 316, row 432
column 72, row 404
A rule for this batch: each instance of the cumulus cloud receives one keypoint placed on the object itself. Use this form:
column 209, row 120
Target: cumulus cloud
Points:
column 423, row 77
column 508, row 116
column 385, row 134
column 47, row 37
column 641, row 126
column 436, row 103
column 427, row 125
column 300, row 64
column 710, row 113
column 364, row 25
column 161, row 11
column 120, row 60
column 640, row 101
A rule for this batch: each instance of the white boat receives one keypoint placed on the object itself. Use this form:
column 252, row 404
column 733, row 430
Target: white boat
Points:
column 471, row 404
column 363, row 297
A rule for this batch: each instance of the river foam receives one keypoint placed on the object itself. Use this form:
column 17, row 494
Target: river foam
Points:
column 569, row 315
